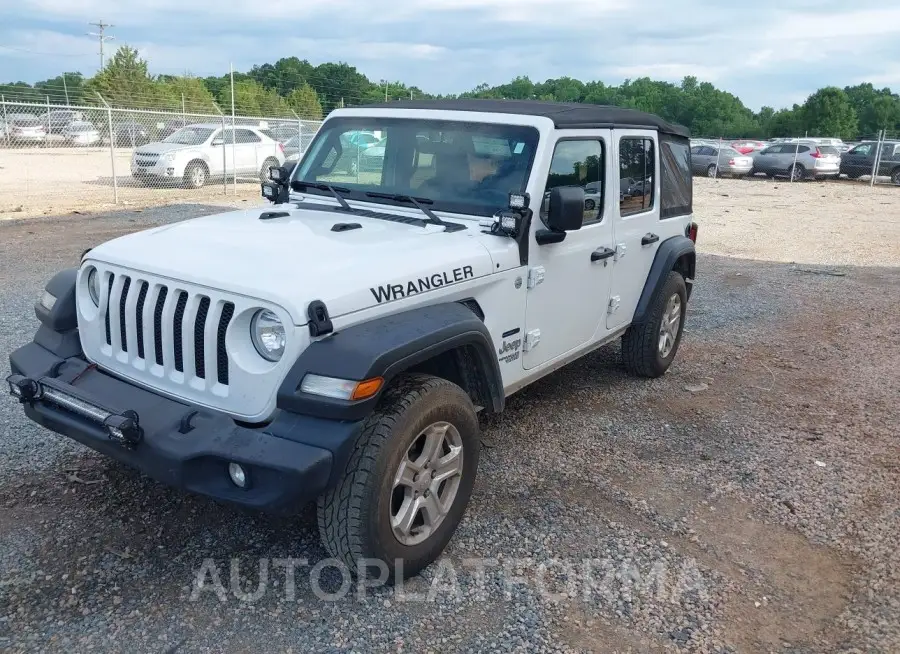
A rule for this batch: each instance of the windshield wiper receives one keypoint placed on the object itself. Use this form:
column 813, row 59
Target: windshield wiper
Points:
column 334, row 190
column 417, row 202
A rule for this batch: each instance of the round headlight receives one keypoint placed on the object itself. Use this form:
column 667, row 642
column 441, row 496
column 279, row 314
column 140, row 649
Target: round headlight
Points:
column 268, row 335
column 94, row 286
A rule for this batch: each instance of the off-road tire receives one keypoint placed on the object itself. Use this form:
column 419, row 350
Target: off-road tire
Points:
column 640, row 344
column 192, row 179
column 354, row 516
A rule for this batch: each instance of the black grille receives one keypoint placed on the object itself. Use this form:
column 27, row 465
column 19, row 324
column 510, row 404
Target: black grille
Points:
column 221, row 353
column 122, row 300
column 179, row 314
column 157, row 324
column 108, row 293
column 199, row 329
column 142, row 296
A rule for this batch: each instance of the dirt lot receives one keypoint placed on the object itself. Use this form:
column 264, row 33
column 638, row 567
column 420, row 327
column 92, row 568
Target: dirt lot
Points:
column 39, row 181
column 748, row 501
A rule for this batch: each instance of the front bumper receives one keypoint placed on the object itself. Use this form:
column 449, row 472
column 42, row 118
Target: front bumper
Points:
column 288, row 462
column 165, row 169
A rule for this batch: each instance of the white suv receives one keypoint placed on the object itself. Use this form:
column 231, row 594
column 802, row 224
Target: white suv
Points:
column 337, row 345
column 196, row 153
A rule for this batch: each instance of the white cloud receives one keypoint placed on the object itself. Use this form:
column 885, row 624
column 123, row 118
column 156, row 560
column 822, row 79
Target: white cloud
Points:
column 761, row 51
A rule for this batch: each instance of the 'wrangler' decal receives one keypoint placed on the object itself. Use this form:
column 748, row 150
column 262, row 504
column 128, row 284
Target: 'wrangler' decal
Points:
column 390, row 292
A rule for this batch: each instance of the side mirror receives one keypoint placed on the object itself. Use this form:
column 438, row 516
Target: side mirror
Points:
column 566, row 208
column 217, row 142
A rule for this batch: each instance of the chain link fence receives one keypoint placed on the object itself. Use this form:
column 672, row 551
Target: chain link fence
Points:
column 60, row 158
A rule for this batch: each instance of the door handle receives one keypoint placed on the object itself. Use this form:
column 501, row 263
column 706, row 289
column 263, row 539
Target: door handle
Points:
column 602, row 253
column 649, row 238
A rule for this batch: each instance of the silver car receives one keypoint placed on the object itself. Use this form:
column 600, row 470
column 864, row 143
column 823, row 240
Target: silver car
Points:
column 716, row 161
column 798, row 160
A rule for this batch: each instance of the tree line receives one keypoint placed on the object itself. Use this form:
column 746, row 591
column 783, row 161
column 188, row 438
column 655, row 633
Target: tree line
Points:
column 293, row 86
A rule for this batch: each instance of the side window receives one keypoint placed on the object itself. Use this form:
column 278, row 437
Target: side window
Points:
column 245, row 136
column 897, row 150
column 579, row 163
column 227, row 136
column 802, row 149
column 636, row 160
column 676, row 185
column 862, row 150
column 696, row 150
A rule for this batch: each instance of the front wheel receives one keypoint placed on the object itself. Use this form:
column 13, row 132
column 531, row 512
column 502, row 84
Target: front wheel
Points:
column 195, row 175
column 408, row 480
column 649, row 348
column 895, row 176
column 796, row 173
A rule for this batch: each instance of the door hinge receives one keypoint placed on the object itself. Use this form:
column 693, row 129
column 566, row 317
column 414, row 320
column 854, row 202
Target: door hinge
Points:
column 613, row 305
column 535, row 276
column 620, row 251
column 532, row 338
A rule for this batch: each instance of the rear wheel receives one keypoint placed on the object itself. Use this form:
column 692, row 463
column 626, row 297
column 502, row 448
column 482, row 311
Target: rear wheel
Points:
column 895, row 176
column 649, row 348
column 408, row 480
column 712, row 171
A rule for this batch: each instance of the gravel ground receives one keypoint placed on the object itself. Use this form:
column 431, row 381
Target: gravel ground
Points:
column 748, row 501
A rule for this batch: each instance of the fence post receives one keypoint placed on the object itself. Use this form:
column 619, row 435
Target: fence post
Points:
column 875, row 163
column 299, row 134
column 794, row 166
column 233, row 139
column 5, row 124
column 224, row 160
column 112, row 149
column 49, row 130
column 718, row 158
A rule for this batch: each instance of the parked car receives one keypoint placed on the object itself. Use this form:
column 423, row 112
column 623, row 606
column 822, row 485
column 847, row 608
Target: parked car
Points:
column 746, row 147
column 81, row 132
column 292, row 149
column 366, row 157
column 132, row 133
column 718, row 161
column 799, row 160
column 196, row 153
column 24, row 128
column 860, row 160
column 57, row 120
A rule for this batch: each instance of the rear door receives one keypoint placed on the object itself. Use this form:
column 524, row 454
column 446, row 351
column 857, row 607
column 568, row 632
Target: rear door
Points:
column 635, row 225
column 247, row 146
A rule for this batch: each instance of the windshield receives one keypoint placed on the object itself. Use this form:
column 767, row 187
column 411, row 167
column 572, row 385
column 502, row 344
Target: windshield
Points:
column 189, row 136
column 467, row 168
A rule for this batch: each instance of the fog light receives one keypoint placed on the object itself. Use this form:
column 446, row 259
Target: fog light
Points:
column 237, row 474
column 124, row 429
column 22, row 388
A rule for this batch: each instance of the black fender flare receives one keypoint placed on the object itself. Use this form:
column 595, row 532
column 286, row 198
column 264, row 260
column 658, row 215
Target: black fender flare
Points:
column 385, row 347
column 667, row 255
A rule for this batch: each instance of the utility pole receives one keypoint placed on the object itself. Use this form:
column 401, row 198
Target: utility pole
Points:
column 101, row 36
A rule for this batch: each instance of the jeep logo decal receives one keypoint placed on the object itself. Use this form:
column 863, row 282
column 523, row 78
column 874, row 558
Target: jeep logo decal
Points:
column 390, row 292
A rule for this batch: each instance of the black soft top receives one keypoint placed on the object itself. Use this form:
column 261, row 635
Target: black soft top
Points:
column 565, row 115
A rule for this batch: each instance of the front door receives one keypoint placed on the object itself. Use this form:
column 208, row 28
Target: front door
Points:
column 568, row 300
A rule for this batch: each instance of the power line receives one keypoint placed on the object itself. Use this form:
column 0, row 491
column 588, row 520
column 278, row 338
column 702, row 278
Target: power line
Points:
column 101, row 36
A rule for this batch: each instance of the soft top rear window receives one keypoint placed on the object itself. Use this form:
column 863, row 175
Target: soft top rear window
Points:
column 676, row 190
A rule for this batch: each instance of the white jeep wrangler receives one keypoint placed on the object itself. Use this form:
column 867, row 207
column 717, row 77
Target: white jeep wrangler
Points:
column 337, row 344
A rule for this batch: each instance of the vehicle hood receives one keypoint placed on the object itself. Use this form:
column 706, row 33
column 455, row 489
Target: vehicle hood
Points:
column 162, row 148
column 295, row 259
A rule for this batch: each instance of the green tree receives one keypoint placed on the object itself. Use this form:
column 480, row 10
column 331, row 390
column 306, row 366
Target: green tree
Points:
column 253, row 99
column 65, row 88
column 305, row 102
column 828, row 112
column 188, row 93
column 125, row 82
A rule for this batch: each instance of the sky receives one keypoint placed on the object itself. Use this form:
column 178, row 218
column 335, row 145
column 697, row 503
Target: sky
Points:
column 767, row 52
